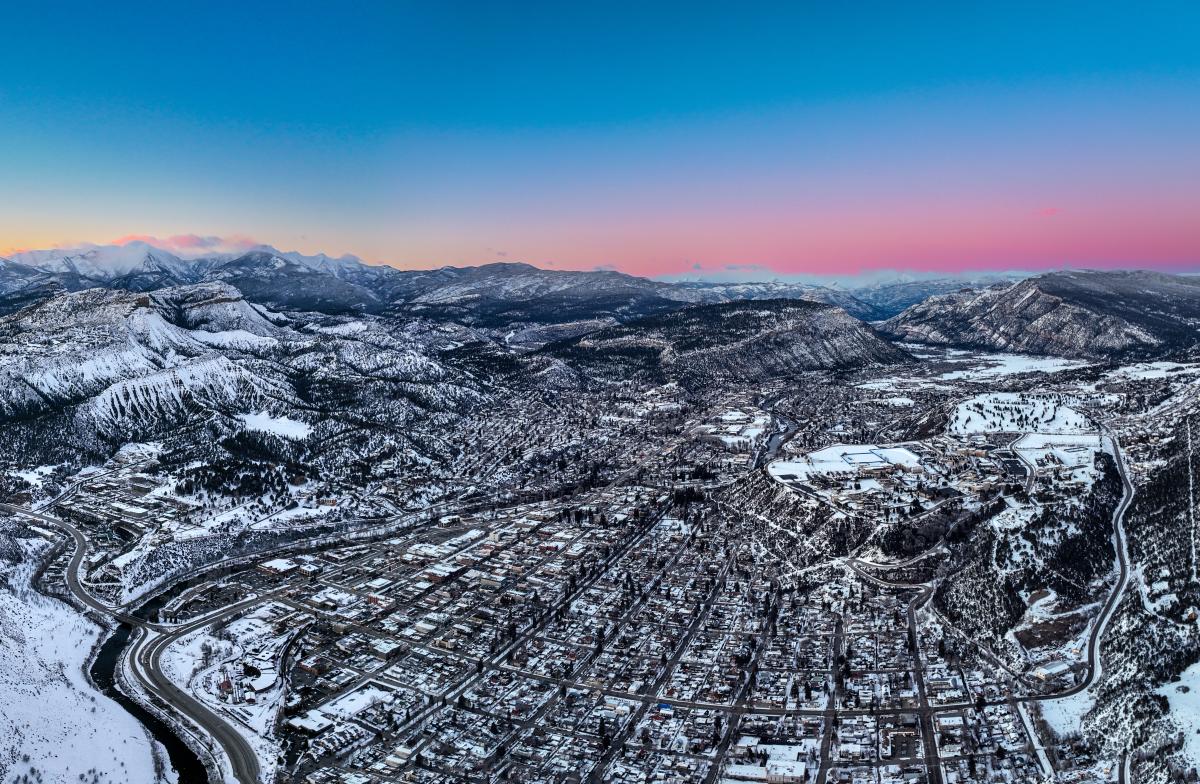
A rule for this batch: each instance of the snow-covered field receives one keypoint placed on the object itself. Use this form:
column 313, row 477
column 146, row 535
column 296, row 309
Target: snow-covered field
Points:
column 35, row 476
column 51, row 719
column 1010, row 412
column 983, row 367
column 1153, row 370
column 1075, row 454
column 279, row 425
column 1065, row 715
column 1184, row 701
column 842, row 458
column 972, row 366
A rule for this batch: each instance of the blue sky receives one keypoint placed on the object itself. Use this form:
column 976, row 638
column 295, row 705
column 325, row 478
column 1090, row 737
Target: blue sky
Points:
column 652, row 137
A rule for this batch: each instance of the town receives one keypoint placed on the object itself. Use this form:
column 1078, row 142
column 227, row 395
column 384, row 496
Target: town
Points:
column 758, row 597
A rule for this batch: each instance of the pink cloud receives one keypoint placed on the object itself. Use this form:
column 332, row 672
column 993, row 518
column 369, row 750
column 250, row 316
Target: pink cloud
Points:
column 1048, row 212
column 193, row 244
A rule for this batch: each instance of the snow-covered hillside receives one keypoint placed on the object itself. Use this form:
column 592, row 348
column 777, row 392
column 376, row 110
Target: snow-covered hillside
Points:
column 127, row 366
column 1068, row 314
column 744, row 340
column 508, row 292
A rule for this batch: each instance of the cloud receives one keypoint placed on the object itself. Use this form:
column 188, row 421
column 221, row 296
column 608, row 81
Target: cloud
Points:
column 1047, row 212
column 193, row 244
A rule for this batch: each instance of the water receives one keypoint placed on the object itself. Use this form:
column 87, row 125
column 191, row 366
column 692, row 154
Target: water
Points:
column 149, row 610
column 187, row 765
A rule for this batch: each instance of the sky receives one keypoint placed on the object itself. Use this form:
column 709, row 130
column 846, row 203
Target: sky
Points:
column 663, row 139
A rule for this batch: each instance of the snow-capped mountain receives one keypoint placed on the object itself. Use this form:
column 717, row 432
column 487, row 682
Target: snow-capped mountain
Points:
column 517, row 281
column 293, row 282
column 21, row 285
column 103, row 366
column 890, row 298
column 1070, row 314
column 136, row 266
column 77, row 346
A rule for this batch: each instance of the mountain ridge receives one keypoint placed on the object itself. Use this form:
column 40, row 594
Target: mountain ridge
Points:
column 287, row 279
column 1080, row 314
column 711, row 343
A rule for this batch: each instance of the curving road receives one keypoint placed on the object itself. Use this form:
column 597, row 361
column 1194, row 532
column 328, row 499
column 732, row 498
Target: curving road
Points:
column 145, row 654
column 1095, row 666
column 1095, row 662
column 1110, row 605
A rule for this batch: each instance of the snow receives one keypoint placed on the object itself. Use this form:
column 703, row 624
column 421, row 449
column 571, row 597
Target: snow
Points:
column 50, row 712
column 103, row 262
column 1072, row 450
column 289, row 516
column 990, row 366
column 215, row 378
column 1011, row 412
column 1156, row 370
column 280, row 425
column 349, row 328
column 281, row 565
column 201, row 662
column 737, row 429
column 1074, row 453
column 353, row 703
column 788, row 759
column 1066, row 714
column 35, row 476
column 1043, row 607
column 234, row 338
column 1183, row 699
column 842, row 458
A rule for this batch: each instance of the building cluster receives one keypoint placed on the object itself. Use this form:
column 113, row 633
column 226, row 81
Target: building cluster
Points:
column 607, row 615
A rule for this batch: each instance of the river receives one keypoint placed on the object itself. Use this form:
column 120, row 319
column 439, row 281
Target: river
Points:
column 187, row 765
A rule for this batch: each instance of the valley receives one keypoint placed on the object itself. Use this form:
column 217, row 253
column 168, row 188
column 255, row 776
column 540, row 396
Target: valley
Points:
column 737, row 542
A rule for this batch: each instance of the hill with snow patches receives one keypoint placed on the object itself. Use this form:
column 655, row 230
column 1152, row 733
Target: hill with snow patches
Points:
column 1098, row 315
column 103, row 366
column 44, row 644
column 705, row 344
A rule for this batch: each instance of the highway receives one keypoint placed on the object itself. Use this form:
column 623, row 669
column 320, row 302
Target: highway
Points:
column 146, row 651
column 933, row 767
column 1114, row 598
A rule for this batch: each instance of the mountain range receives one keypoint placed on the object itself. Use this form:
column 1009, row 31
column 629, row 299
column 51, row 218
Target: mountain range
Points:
column 86, row 371
column 491, row 295
column 1082, row 314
